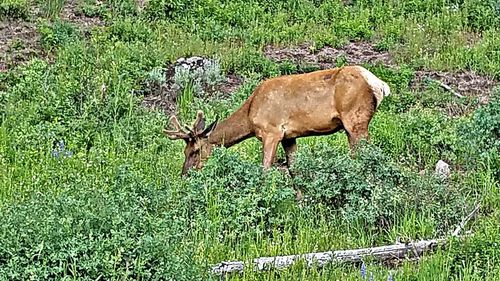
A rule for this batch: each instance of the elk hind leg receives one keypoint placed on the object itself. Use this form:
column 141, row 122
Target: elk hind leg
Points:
column 355, row 133
column 290, row 146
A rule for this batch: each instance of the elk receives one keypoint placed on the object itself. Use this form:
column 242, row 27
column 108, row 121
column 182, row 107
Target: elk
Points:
column 285, row 108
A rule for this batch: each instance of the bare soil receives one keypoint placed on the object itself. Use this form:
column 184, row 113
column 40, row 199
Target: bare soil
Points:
column 466, row 83
column 19, row 42
column 71, row 13
column 353, row 53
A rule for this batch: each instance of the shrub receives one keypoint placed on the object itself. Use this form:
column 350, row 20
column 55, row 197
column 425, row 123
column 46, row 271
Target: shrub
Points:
column 14, row 9
column 231, row 197
column 199, row 78
column 371, row 188
column 481, row 14
column 166, row 9
column 480, row 141
column 130, row 30
column 57, row 33
column 86, row 233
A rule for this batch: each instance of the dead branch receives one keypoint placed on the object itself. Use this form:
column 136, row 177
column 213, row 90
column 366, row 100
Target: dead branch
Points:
column 397, row 251
column 465, row 221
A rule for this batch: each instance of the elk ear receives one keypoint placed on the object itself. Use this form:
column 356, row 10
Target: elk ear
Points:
column 199, row 123
column 210, row 128
column 178, row 133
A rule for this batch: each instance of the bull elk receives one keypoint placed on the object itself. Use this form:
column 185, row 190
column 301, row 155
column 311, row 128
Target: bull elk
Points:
column 285, row 108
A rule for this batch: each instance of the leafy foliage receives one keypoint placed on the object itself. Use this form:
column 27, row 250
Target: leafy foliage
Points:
column 14, row 9
column 233, row 197
column 86, row 233
column 481, row 141
column 57, row 33
column 372, row 189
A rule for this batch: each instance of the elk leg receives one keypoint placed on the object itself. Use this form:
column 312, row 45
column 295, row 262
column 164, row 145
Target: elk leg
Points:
column 355, row 133
column 270, row 145
column 290, row 146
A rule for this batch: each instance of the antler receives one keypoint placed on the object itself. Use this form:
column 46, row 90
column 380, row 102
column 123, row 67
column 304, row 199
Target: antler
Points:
column 199, row 123
column 178, row 133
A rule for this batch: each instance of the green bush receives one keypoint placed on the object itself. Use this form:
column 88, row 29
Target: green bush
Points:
column 482, row 13
column 371, row 188
column 14, row 9
column 234, row 198
column 480, row 141
column 123, row 232
column 57, row 33
column 166, row 9
column 129, row 30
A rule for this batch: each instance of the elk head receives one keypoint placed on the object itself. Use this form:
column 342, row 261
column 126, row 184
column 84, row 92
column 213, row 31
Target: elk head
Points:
column 197, row 146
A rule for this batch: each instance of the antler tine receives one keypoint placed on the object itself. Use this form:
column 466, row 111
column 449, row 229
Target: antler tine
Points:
column 176, row 124
column 178, row 132
column 199, row 123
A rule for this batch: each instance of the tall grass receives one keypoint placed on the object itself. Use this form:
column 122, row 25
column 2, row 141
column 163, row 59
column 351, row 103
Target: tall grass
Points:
column 52, row 8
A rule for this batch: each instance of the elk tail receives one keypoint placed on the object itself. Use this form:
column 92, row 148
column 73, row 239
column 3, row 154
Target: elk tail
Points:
column 380, row 89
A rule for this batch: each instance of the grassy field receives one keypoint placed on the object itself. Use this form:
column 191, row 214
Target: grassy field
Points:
column 90, row 188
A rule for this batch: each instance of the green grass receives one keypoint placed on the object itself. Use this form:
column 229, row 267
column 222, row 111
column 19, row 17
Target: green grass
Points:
column 111, row 203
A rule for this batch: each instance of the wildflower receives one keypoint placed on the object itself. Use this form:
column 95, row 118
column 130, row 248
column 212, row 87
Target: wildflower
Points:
column 371, row 276
column 363, row 271
column 60, row 150
column 389, row 278
column 55, row 153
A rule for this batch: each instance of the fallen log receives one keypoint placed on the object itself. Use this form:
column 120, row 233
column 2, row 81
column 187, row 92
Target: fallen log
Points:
column 381, row 253
column 397, row 251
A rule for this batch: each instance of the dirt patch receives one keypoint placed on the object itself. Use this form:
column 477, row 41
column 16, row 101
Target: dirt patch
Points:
column 466, row 83
column 353, row 53
column 73, row 13
column 19, row 42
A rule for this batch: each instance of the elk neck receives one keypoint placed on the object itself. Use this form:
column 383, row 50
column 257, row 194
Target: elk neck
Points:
column 234, row 129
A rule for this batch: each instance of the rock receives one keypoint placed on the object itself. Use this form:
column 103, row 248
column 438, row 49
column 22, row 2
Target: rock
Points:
column 192, row 63
column 442, row 169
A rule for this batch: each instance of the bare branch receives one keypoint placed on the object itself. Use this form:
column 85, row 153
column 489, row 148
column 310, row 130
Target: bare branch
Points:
column 465, row 221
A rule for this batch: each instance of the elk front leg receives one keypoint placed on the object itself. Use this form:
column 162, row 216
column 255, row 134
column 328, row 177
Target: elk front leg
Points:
column 270, row 144
column 355, row 133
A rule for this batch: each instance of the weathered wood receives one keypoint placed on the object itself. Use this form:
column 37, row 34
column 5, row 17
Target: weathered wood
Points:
column 465, row 221
column 397, row 251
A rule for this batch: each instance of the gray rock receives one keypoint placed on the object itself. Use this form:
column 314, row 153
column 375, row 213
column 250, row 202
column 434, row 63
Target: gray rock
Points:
column 442, row 169
column 192, row 63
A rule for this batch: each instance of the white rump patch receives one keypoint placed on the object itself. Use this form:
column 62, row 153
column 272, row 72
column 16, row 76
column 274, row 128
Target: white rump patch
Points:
column 379, row 87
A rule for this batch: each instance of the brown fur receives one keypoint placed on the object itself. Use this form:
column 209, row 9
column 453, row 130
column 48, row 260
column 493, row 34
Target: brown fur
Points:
column 285, row 108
